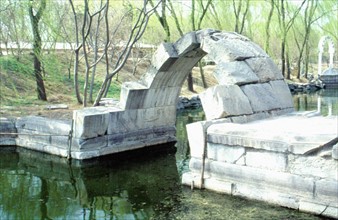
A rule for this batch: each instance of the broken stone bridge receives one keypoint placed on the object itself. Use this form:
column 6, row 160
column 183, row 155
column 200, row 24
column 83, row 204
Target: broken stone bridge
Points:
column 253, row 143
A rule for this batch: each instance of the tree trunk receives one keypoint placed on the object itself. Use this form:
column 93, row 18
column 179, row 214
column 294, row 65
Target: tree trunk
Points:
column 190, row 82
column 267, row 28
column 37, row 49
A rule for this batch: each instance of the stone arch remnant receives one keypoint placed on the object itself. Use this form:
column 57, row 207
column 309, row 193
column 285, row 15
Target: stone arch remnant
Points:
column 330, row 75
column 250, row 87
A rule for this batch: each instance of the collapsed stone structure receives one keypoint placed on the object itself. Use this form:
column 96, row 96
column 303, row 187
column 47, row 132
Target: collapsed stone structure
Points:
column 238, row 150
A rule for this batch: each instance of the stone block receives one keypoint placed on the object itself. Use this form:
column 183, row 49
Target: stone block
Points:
column 157, row 117
column 266, row 160
column 222, row 153
column 280, row 112
column 234, row 73
column 224, row 100
column 200, row 34
column 196, row 133
column 247, row 136
column 148, row 79
column 311, row 207
column 267, row 194
column 186, row 44
column 327, row 188
column 7, row 141
column 43, row 125
column 164, row 57
column 282, row 92
column 60, row 141
column 160, row 97
column 335, row 152
column 294, row 184
column 331, row 212
column 218, row 186
column 7, row 126
column 265, row 69
column 261, row 97
column 82, row 155
column 90, row 122
column 314, row 166
column 90, row 144
column 135, row 119
column 195, row 165
column 132, row 95
column 249, row 118
column 196, row 137
column 123, row 121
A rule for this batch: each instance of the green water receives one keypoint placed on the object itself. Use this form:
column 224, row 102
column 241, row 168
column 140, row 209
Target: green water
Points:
column 141, row 185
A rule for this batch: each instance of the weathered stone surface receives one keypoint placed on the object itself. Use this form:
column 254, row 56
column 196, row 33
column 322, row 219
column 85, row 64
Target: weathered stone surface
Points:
column 196, row 137
column 91, row 143
column 234, row 73
column 314, row 166
column 266, row 160
column 331, row 212
column 42, row 147
column 261, row 178
column 265, row 69
column 327, row 188
column 43, row 125
column 132, row 95
column 280, row 112
column 261, row 97
column 249, row 118
column 200, row 34
column 164, row 57
column 226, row 50
column 134, row 119
column 149, row 98
column 224, row 100
column 239, row 135
column 311, row 207
column 282, row 93
column 229, row 154
column 7, row 126
column 267, row 194
column 91, row 122
column 186, row 44
column 335, row 152
column 270, row 134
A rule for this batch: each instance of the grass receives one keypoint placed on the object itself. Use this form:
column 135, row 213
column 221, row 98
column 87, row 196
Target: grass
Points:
column 18, row 86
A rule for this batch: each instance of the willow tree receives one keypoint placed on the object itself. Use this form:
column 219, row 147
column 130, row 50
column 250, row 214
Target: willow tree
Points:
column 35, row 16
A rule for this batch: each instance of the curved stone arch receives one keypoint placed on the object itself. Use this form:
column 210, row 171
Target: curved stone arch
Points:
column 241, row 67
column 321, row 44
column 250, row 87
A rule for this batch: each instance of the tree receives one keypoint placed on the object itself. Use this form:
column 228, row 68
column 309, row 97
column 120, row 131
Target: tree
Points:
column 267, row 27
column 240, row 20
column 308, row 20
column 285, row 23
column 135, row 33
column 162, row 18
column 35, row 19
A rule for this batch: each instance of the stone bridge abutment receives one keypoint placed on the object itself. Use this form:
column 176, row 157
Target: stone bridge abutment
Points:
column 250, row 87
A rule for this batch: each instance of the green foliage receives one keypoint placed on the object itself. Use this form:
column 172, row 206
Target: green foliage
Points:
column 11, row 64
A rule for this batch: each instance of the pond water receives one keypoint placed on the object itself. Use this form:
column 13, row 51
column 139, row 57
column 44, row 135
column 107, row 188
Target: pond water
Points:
column 141, row 185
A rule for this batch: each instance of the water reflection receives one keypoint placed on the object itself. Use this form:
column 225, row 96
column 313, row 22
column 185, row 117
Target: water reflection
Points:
column 323, row 101
column 141, row 185
column 35, row 185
